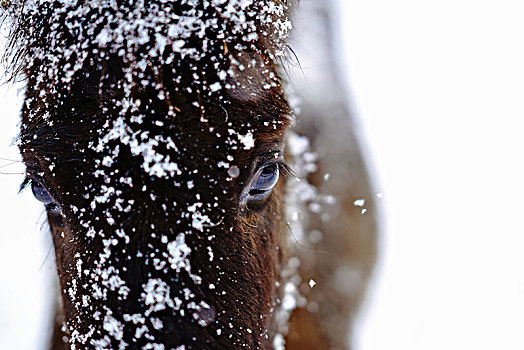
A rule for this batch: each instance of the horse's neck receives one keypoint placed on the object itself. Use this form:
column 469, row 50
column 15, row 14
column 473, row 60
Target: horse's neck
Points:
column 348, row 237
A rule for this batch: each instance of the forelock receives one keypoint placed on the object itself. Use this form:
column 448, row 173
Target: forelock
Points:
column 61, row 34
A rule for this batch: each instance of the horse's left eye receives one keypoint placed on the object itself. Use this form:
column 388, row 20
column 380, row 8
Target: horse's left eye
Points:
column 263, row 182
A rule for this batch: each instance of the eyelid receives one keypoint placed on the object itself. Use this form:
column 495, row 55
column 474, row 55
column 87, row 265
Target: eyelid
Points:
column 267, row 158
column 277, row 157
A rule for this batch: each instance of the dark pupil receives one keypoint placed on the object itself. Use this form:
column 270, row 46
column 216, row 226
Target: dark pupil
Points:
column 268, row 171
column 41, row 193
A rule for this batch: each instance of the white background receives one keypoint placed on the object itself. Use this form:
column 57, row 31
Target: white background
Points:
column 438, row 88
column 26, row 275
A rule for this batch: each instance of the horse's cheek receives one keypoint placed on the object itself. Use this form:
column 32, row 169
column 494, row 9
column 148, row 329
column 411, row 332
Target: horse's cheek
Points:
column 65, row 250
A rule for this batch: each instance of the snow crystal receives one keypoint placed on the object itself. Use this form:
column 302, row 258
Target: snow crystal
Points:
column 156, row 296
column 113, row 327
column 222, row 164
column 135, row 318
column 157, row 323
column 298, row 144
column 178, row 253
column 289, row 302
column 179, row 256
column 247, row 140
column 278, row 342
column 205, row 314
column 199, row 220
column 154, row 346
column 359, row 202
column 155, row 163
column 234, row 171
column 215, row 87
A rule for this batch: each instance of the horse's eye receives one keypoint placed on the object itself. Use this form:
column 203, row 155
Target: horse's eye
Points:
column 263, row 182
column 43, row 195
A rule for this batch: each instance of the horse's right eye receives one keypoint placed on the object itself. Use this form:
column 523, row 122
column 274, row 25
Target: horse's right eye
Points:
column 43, row 195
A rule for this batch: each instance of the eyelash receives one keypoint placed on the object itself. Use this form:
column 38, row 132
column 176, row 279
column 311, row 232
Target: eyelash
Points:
column 25, row 184
column 285, row 170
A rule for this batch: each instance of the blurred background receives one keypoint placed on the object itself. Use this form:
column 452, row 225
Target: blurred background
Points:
column 437, row 89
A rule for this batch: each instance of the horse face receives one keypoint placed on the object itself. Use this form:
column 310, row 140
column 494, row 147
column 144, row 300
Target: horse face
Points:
column 162, row 175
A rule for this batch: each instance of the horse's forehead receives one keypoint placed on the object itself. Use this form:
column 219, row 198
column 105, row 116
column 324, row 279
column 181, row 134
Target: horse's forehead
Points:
column 189, row 53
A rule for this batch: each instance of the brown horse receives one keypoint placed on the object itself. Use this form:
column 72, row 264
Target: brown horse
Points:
column 155, row 133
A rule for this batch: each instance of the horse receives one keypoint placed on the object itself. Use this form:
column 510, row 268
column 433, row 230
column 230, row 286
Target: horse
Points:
column 160, row 137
